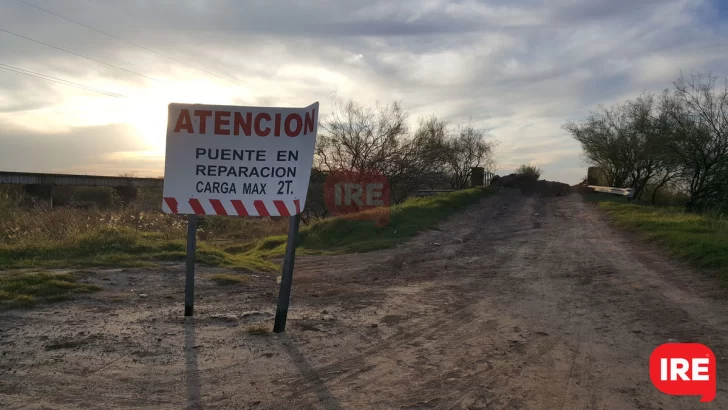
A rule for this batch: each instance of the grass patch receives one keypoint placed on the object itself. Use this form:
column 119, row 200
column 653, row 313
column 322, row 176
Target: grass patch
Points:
column 229, row 279
column 26, row 289
column 118, row 247
column 349, row 234
column 406, row 220
column 701, row 240
column 258, row 330
column 124, row 246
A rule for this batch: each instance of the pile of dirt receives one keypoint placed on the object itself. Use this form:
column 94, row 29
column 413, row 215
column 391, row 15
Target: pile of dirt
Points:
column 547, row 188
column 530, row 187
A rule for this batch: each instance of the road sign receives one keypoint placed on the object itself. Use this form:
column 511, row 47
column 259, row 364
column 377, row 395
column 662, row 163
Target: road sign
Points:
column 246, row 161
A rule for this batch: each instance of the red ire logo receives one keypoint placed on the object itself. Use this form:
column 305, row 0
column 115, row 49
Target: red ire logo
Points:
column 684, row 369
column 359, row 195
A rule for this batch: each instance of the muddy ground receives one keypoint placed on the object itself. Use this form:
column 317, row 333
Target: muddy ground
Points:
column 520, row 302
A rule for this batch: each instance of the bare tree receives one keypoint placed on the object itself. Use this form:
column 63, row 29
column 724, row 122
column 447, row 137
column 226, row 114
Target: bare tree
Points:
column 696, row 114
column 602, row 139
column 356, row 138
column 419, row 159
column 466, row 150
column 626, row 141
column 645, row 160
column 364, row 140
column 677, row 139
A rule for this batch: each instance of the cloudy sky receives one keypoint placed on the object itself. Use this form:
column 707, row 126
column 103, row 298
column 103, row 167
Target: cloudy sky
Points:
column 518, row 68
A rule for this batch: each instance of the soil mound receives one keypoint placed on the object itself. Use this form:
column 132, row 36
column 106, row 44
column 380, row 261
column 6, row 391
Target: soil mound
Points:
column 530, row 187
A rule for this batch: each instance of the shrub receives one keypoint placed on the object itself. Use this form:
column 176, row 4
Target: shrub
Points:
column 530, row 172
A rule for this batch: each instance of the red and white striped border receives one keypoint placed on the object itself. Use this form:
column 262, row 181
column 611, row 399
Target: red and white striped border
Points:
column 231, row 207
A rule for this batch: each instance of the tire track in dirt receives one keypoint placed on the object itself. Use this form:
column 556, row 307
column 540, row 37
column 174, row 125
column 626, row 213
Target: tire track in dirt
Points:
column 536, row 257
column 462, row 331
column 451, row 323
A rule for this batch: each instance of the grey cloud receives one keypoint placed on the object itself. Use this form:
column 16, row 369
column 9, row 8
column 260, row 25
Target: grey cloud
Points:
column 23, row 150
column 512, row 64
column 600, row 10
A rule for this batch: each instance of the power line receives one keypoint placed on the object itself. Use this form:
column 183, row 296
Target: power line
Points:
column 125, row 41
column 59, row 80
column 141, row 47
column 80, row 55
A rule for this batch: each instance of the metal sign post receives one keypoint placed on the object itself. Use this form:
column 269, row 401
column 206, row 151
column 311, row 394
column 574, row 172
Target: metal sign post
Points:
column 190, row 279
column 284, row 295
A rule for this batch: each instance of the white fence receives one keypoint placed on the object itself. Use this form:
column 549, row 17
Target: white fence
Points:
column 628, row 192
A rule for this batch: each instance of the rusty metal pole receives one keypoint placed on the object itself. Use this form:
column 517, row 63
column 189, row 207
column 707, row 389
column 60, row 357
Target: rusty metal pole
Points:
column 284, row 295
column 190, row 279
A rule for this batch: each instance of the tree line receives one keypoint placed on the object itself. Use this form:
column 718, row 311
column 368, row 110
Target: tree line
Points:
column 379, row 139
column 672, row 142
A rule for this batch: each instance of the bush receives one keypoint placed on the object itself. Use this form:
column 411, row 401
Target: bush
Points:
column 676, row 139
column 530, row 172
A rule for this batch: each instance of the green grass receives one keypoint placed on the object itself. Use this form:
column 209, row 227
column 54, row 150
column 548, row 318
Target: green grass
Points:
column 406, row 220
column 118, row 247
column 701, row 240
column 229, row 279
column 347, row 235
column 126, row 247
column 26, row 289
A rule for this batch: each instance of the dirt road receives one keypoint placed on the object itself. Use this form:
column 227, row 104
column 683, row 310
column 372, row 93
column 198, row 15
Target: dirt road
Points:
column 521, row 302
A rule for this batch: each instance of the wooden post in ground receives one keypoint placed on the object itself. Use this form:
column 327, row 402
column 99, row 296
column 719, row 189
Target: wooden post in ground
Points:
column 477, row 177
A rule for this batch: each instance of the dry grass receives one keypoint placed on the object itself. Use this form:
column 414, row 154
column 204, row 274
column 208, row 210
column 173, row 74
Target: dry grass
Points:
column 137, row 235
column 141, row 235
column 229, row 278
column 24, row 226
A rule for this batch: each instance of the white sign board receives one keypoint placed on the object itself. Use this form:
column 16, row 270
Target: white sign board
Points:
column 247, row 161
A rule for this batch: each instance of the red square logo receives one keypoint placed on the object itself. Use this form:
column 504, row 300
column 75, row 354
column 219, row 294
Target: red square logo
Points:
column 361, row 195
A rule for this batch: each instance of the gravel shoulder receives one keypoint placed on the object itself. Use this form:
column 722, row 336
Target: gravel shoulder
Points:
column 519, row 302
